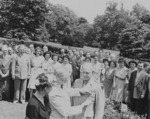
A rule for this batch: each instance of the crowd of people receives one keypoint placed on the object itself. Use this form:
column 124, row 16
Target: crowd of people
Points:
column 73, row 83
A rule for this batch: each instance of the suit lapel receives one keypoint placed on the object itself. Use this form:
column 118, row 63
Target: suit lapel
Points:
column 134, row 77
column 139, row 78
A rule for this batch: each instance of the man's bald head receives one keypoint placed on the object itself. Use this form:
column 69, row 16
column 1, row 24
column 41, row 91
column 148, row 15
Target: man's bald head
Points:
column 87, row 71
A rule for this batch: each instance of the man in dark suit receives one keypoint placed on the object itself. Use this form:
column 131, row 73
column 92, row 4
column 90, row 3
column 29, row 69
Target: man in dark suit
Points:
column 137, row 90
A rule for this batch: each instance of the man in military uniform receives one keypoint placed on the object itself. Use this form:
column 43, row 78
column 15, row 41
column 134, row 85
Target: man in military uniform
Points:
column 96, row 109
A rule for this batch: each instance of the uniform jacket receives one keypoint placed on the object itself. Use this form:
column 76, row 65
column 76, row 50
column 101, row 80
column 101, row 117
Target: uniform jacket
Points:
column 95, row 111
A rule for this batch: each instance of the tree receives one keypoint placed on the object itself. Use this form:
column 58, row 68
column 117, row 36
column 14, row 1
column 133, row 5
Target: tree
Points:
column 139, row 10
column 108, row 26
column 59, row 21
column 22, row 16
column 135, row 40
column 141, row 13
column 64, row 25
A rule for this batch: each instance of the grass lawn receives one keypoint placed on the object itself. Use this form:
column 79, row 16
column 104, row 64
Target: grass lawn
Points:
column 8, row 110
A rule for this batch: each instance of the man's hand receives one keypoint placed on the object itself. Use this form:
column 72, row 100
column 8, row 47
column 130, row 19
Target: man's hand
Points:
column 88, row 101
column 85, row 91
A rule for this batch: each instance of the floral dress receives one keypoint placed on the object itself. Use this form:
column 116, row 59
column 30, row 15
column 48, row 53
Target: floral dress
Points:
column 119, row 84
column 108, row 81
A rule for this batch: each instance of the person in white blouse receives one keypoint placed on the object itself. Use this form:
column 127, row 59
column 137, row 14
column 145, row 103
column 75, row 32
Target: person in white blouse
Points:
column 68, row 68
column 48, row 61
column 47, row 65
column 45, row 49
column 36, row 68
column 31, row 47
column 97, row 68
column 55, row 64
column 60, row 98
column 81, row 52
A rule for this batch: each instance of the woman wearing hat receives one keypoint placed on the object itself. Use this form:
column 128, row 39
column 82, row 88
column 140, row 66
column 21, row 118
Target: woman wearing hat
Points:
column 120, row 77
column 132, row 65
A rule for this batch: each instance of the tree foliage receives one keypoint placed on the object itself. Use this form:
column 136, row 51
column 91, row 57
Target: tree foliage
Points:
column 22, row 18
column 135, row 40
column 41, row 21
column 108, row 26
column 141, row 13
column 64, row 25
column 59, row 21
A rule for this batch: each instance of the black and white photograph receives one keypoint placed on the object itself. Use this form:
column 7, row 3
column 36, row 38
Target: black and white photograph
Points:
column 74, row 59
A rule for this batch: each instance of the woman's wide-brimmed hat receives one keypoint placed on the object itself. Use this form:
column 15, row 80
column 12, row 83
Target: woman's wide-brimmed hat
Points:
column 121, row 60
column 133, row 61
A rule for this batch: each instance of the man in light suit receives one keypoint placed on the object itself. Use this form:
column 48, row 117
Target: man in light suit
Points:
column 5, row 62
column 96, row 109
column 137, row 90
column 20, row 74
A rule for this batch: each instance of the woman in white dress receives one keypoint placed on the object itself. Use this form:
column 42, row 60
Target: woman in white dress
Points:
column 55, row 63
column 68, row 68
column 60, row 98
column 47, row 66
column 36, row 69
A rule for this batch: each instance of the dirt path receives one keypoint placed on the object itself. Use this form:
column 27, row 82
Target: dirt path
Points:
column 8, row 110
